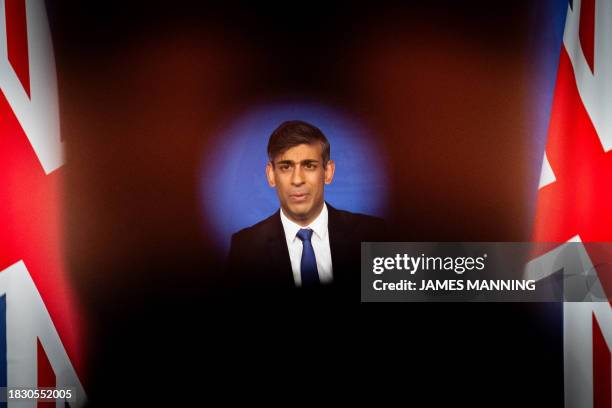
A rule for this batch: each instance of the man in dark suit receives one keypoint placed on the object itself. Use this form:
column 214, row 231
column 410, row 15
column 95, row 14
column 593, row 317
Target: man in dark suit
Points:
column 307, row 242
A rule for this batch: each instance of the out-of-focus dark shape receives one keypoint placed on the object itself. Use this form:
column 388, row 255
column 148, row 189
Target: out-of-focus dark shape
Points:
column 144, row 89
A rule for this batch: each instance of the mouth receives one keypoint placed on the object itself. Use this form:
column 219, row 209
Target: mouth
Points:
column 298, row 197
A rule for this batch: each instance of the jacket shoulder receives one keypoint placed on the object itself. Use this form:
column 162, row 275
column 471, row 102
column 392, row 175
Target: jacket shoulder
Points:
column 356, row 217
column 359, row 216
column 257, row 230
column 247, row 247
column 362, row 224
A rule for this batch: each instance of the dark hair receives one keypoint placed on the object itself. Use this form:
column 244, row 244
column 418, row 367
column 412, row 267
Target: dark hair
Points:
column 294, row 133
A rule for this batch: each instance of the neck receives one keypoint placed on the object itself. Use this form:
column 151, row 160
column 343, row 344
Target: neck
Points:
column 304, row 221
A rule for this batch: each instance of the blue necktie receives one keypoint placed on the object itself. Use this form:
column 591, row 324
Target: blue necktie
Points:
column 308, row 265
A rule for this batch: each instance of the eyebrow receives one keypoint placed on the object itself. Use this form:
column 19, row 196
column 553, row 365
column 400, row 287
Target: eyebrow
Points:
column 303, row 162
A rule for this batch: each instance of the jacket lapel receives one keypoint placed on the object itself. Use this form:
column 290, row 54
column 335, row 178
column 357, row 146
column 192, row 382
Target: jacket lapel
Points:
column 278, row 253
column 339, row 244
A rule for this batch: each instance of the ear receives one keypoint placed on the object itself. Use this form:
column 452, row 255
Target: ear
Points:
column 330, row 167
column 270, row 175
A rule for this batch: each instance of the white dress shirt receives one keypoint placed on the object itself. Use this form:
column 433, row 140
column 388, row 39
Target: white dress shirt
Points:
column 320, row 244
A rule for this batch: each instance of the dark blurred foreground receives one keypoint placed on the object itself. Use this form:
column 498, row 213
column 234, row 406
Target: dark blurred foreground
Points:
column 145, row 87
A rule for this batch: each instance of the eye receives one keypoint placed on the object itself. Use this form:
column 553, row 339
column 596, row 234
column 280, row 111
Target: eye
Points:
column 311, row 166
column 284, row 167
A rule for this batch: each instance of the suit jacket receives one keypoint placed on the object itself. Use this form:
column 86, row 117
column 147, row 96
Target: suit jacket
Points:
column 259, row 257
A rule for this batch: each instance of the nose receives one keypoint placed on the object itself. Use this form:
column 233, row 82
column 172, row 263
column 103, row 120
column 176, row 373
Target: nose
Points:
column 297, row 177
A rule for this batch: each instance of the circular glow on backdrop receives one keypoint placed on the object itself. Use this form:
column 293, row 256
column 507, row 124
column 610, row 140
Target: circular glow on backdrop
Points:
column 234, row 191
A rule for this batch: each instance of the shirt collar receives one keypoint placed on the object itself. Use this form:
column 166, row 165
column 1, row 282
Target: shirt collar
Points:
column 318, row 225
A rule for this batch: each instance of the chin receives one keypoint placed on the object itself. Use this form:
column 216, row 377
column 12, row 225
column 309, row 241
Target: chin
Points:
column 299, row 213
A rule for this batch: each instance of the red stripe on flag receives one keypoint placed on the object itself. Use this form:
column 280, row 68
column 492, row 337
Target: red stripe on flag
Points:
column 602, row 369
column 587, row 31
column 31, row 230
column 46, row 376
column 579, row 201
column 17, row 40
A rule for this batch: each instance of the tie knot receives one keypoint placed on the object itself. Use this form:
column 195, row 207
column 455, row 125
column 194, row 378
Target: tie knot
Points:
column 304, row 234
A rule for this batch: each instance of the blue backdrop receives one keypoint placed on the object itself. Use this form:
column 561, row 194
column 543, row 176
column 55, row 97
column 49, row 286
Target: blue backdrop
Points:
column 234, row 191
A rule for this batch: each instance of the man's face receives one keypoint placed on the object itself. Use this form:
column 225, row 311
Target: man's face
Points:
column 299, row 176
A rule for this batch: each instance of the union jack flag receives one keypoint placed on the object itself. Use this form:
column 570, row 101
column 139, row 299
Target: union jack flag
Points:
column 40, row 329
column 575, row 196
